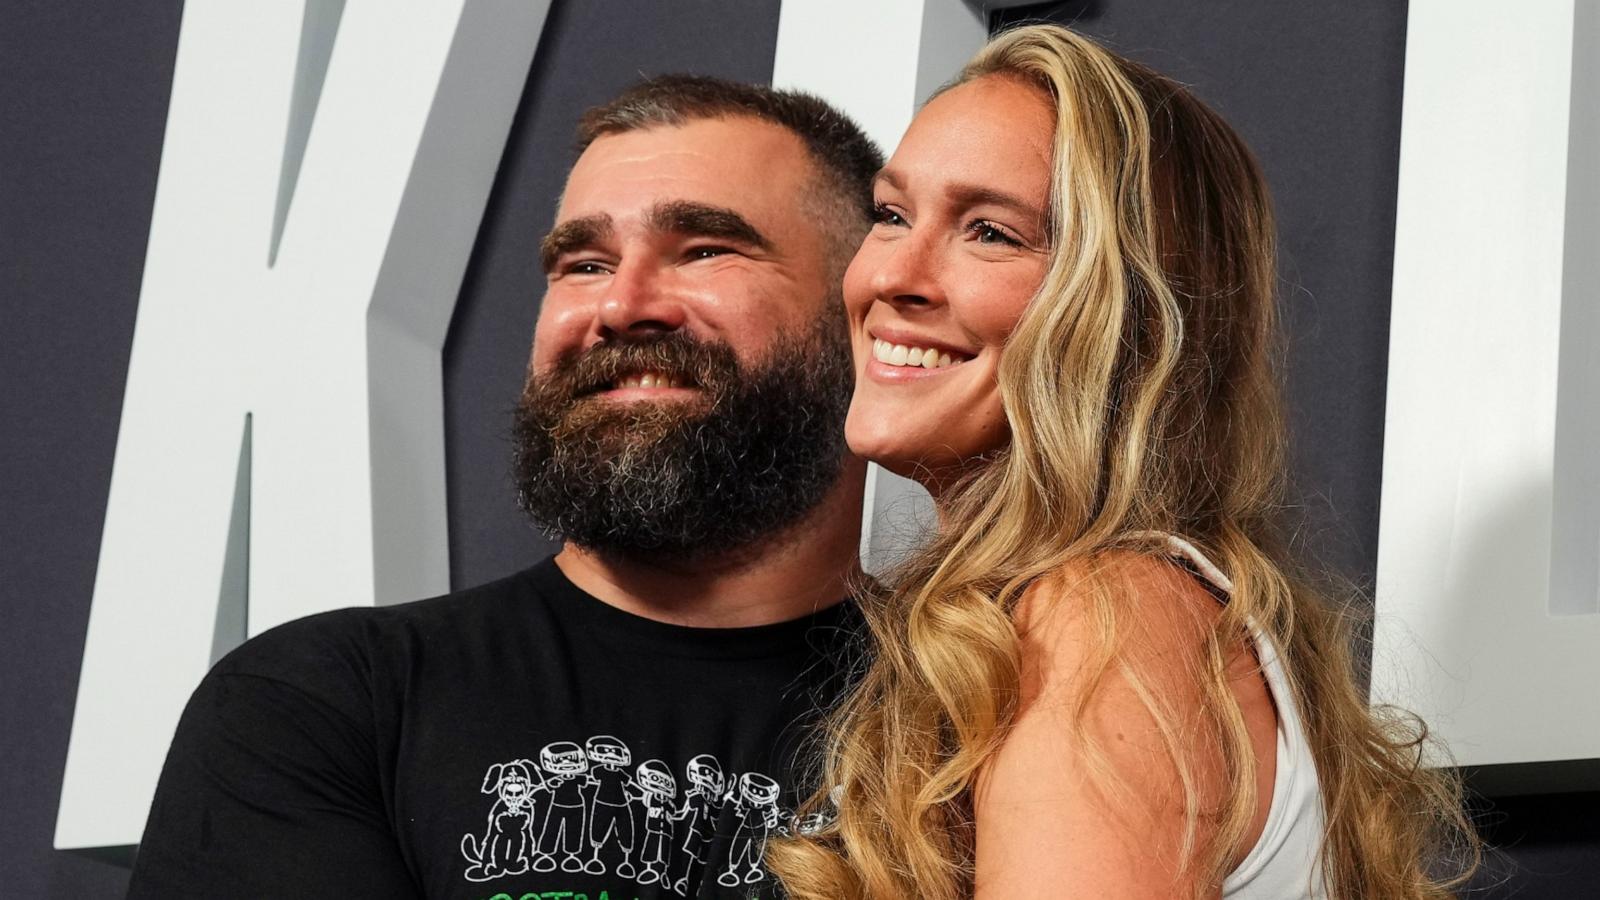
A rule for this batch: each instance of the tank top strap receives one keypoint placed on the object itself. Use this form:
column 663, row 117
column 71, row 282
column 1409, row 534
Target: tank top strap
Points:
column 1203, row 566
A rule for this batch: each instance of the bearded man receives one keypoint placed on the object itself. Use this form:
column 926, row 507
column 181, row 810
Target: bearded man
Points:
column 681, row 432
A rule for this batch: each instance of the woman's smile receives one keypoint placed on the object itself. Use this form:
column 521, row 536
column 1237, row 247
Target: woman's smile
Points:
column 901, row 356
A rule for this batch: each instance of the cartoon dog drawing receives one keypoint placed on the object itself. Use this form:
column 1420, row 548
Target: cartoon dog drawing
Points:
column 507, row 844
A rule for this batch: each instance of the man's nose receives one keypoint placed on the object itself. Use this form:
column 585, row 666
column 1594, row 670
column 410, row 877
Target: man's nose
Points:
column 640, row 302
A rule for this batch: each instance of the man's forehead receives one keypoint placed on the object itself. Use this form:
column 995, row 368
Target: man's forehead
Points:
column 737, row 162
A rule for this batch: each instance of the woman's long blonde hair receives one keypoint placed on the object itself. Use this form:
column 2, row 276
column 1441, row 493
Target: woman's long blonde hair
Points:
column 1140, row 389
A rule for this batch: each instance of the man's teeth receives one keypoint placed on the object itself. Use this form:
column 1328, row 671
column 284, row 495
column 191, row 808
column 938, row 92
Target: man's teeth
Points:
column 650, row 380
column 901, row 355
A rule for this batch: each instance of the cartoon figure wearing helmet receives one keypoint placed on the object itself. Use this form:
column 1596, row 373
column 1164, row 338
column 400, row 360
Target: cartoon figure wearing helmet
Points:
column 610, row 788
column 659, row 788
column 756, row 803
column 820, row 820
column 507, row 842
column 702, row 802
column 564, row 763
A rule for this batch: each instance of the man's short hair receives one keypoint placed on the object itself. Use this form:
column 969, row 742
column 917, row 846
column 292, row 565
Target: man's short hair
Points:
column 846, row 160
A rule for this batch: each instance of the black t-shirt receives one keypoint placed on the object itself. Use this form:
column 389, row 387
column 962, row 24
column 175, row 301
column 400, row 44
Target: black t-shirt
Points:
column 518, row 740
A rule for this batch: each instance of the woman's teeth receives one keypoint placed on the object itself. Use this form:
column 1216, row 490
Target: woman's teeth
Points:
column 649, row 380
column 901, row 355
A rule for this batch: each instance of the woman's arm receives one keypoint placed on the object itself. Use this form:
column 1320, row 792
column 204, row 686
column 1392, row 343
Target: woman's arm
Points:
column 1045, row 826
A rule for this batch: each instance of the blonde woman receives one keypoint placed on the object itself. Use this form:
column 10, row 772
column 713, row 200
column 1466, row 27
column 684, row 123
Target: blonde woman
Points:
column 1101, row 678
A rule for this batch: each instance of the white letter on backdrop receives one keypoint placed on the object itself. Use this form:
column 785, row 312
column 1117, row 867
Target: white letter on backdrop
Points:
column 281, row 451
column 1488, row 591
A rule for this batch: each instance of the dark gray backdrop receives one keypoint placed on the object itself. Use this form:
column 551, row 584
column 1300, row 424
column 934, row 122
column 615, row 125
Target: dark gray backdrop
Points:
column 1315, row 88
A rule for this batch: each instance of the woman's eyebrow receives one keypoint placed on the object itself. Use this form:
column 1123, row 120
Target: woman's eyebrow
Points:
column 967, row 194
column 979, row 195
column 890, row 178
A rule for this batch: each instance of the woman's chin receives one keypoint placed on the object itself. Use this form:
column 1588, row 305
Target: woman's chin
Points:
column 886, row 457
column 884, row 454
column 896, row 457
column 921, row 447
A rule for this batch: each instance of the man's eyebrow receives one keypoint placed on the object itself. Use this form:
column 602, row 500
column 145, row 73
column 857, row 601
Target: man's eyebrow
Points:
column 573, row 234
column 704, row 220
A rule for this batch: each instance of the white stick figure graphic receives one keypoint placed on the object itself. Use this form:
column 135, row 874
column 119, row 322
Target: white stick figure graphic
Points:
column 698, row 812
column 659, row 788
column 564, row 763
column 507, row 844
column 818, row 821
column 756, row 803
column 610, row 788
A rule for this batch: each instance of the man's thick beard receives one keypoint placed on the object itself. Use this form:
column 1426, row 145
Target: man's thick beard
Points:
column 752, row 455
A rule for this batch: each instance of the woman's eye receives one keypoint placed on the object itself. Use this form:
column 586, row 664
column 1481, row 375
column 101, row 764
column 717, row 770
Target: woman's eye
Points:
column 989, row 233
column 883, row 214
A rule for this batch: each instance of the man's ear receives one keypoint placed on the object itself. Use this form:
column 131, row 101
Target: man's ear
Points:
column 491, row 779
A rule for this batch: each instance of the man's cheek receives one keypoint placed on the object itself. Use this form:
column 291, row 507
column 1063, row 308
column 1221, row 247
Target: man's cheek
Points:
column 561, row 331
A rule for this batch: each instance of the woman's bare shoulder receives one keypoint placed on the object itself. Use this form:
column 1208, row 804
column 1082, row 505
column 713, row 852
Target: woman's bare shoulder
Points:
column 1041, row 810
column 1159, row 611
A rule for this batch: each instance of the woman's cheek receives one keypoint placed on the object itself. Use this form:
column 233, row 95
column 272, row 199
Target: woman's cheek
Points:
column 857, row 284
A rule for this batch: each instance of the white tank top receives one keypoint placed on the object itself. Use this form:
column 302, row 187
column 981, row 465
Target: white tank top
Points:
column 1283, row 865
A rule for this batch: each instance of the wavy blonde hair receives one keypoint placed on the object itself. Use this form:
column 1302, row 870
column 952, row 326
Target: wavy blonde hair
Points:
column 1140, row 389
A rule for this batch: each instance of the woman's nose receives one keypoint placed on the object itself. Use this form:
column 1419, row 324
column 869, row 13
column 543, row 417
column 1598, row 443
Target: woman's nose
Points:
column 906, row 271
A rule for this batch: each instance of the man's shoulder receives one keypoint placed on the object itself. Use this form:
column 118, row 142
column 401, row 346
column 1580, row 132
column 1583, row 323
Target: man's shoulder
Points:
column 351, row 641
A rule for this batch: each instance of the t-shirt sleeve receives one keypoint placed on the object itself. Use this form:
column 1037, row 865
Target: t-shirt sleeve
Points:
column 272, row 785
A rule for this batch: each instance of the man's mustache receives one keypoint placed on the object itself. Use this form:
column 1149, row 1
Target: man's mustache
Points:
column 690, row 362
